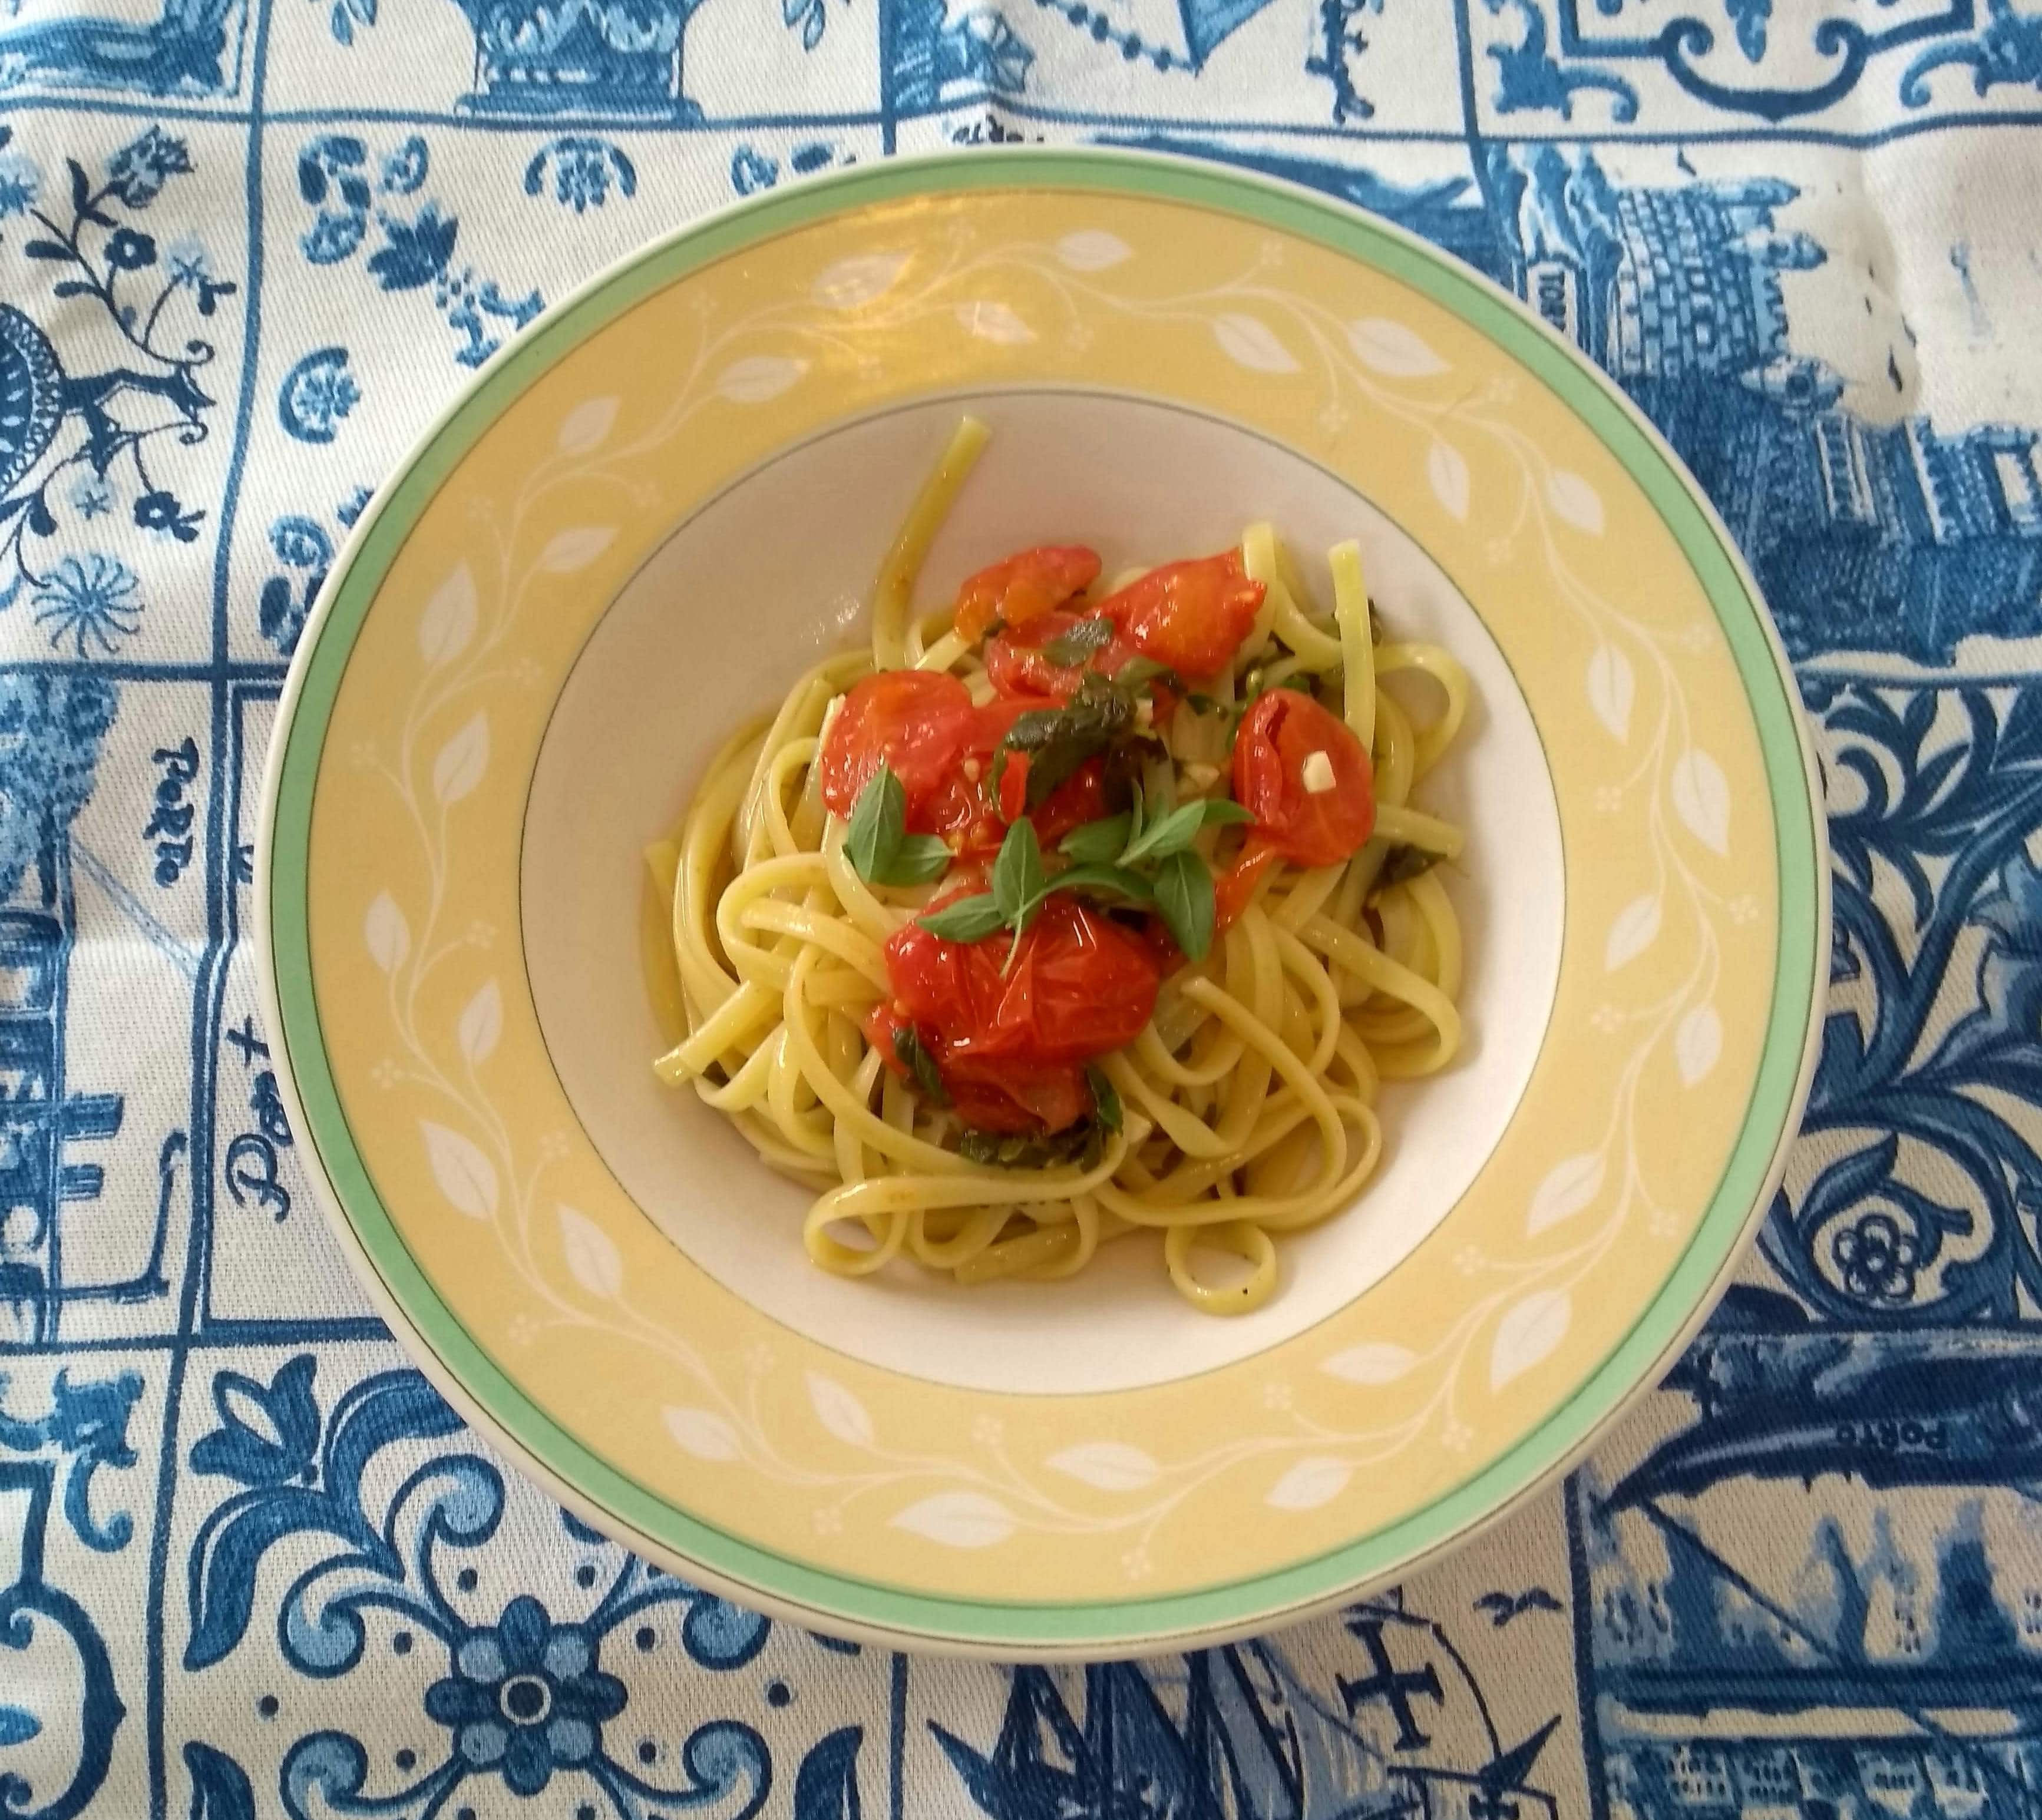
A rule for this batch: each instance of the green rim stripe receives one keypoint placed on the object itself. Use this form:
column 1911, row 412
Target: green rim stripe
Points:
column 1063, row 1624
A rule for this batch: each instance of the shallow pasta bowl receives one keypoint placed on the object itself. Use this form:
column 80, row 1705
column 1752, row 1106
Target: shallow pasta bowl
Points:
column 666, row 500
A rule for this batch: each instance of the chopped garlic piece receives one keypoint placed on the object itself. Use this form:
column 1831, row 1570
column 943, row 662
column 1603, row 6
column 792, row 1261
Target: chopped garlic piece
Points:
column 1317, row 773
column 971, row 770
column 829, row 714
column 1144, row 713
column 1201, row 777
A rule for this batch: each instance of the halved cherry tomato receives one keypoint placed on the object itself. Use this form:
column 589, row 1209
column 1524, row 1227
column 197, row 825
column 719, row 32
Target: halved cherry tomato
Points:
column 1278, row 735
column 1024, row 588
column 1020, row 668
column 1079, row 985
column 1003, row 1095
column 920, row 724
column 1191, row 616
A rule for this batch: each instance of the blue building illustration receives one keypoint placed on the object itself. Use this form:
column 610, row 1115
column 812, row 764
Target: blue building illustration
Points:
column 1894, row 538
column 51, row 731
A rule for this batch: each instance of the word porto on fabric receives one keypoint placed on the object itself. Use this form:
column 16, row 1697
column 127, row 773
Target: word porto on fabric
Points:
column 251, row 1563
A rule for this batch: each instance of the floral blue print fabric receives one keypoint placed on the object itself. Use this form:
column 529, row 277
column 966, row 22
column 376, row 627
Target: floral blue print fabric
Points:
column 252, row 1565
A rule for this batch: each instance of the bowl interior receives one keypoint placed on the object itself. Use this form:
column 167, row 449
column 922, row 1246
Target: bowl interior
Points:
column 771, row 573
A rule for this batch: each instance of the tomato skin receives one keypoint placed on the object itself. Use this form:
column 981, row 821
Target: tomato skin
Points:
column 1191, row 616
column 1278, row 733
column 1079, row 985
column 1234, row 889
column 1020, row 669
column 919, row 724
column 1024, row 588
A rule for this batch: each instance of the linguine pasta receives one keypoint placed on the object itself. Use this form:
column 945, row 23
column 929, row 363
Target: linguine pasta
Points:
column 1245, row 1107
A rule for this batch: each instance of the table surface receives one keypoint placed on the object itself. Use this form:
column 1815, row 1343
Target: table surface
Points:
column 249, row 247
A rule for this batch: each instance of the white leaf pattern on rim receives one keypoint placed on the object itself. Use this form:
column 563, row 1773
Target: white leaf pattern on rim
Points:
column 993, row 321
column 958, row 1519
column 389, row 936
column 701, row 1433
column 567, row 551
column 1571, row 1186
column 1093, row 249
column 1635, row 928
column 1613, row 688
column 1110, row 1465
column 839, row 1411
column 447, row 625
column 1697, row 1044
column 859, row 279
column 591, row 1253
column 461, row 761
column 1250, row 342
column 481, row 1023
column 757, row 378
column 1701, row 798
column 1575, row 501
column 583, row 429
column 1317, row 1479
column 1374, row 1362
column 1447, row 469
column 1529, row 1333
column 465, row 1176
column 1391, row 349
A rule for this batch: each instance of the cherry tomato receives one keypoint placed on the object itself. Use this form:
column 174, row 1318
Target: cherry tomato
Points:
column 999, row 1095
column 1024, row 588
column 1079, row 985
column 920, row 725
column 1020, row 668
column 1191, row 616
column 1278, row 735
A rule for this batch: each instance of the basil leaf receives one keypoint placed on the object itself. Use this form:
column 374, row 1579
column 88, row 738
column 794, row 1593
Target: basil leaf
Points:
column 1177, row 830
column 1097, row 843
column 1139, row 671
column 913, row 1055
column 1403, row 863
column 1085, row 639
column 1019, row 880
column 1080, row 1144
column 1105, row 1101
column 1116, row 880
column 1184, row 897
column 1058, row 740
column 969, row 919
column 878, row 820
column 919, row 859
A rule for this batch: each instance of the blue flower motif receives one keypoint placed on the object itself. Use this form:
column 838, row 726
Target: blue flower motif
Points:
column 581, row 171
column 129, row 251
column 141, row 167
column 317, row 393
column 526, row 1698
column 752, row 171
column 416, row 252
column 300, row 543
column 20, row 183
column 405, row 169
column 353, row 506
column 1877, row 1259
column 91, row 497
column 189, row 261
column 89, row 598
column 267, row 1434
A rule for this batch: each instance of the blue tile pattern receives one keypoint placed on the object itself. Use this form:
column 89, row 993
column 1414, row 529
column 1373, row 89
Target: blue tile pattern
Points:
column 252, row 1566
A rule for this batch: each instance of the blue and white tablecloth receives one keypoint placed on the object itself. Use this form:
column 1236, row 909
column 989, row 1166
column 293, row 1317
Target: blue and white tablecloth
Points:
column 248, row 247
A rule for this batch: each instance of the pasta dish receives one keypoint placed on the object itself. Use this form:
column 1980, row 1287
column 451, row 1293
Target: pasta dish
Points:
column 1086, row 905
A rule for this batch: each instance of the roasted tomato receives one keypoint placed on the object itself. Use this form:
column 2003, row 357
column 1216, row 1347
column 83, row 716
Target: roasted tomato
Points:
column 1302, row 774
column 920, row 725
column 1022, row 670
column 1024, row 588
column 1191, row 616
column 1079, row 986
